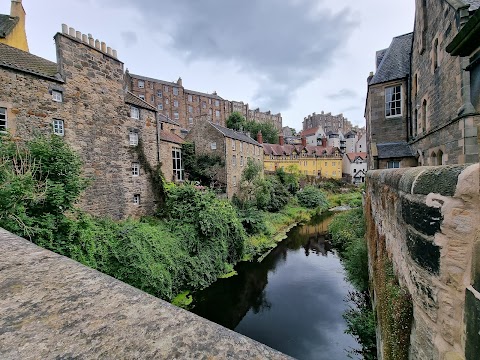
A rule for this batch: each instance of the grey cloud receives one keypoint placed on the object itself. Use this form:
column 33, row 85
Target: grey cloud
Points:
column 129, row 37
column 284, row 43
column 342, row 94
column 351, row 108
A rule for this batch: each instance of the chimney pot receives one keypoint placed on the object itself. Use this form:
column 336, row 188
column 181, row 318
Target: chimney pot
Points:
column 71, row 31
column 64, row 29
column 304, row 141
column 114, row 53
column 97, row 44
column 78, row 35
column 109, row 50
column 85, row 39
column 104, row 47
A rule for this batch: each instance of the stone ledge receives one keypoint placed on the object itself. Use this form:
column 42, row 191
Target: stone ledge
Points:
column 52, row 307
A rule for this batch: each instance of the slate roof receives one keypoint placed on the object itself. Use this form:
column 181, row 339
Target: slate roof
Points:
column 213, row 96
column 380, row 54
column 354, row 155
column 289, row 149
column 166, row 119
column 135, row 100
column 395, row 63
column 20, row 60
column 168, row 136
column 394, row 150
column 7, row 24
column 232, row 134
column 169, row 83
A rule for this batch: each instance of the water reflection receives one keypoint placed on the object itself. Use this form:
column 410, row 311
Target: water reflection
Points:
column 291, row 301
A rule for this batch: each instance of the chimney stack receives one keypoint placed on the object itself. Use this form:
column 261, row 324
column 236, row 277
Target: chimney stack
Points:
column 370, row 77
column 324, row 142
column 304, row 141
column 280, row 140
column 180, row 82
column 260, row 137
column 16, row 9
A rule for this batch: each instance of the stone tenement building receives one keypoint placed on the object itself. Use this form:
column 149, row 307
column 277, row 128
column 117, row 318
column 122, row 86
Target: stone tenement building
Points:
column 234, row 149
column 328, row 122
column 12, row 27
column 423, row 103
column 185, row 106
column 82, row 98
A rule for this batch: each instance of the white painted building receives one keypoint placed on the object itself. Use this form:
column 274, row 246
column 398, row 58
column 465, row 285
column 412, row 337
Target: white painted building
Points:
column 354, row 166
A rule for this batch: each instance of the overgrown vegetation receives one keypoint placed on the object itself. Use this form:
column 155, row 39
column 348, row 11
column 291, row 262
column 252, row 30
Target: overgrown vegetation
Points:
column 202, row 168
column 348, row 237
column 237, row 122
column 312, row 197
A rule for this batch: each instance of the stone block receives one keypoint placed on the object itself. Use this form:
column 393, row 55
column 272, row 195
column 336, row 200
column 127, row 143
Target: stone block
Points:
column 472, row 320
column 440, row 180
column 421, row 217
column 424, row 252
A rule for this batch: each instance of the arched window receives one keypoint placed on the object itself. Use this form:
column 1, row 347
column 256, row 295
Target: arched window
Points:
column 434, row 160
column 435, row 54
column 424, row 116
column 415, row 123
column 440, row 157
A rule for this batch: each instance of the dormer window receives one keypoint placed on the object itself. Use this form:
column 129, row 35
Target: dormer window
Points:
column 134, row 112
column 57, row 96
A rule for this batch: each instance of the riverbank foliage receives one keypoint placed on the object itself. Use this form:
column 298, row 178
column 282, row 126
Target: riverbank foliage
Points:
column 348, row 236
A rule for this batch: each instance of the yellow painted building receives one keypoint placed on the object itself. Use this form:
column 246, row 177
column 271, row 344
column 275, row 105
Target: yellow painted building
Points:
column 12, row 27
column 309, row 160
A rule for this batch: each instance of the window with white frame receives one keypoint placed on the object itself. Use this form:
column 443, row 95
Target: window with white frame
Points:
column 217, row 113
column 134, row 112
column 58, row 128
column 57, row 96
column 165, row 88
column 3, row 119
column 210, row 111
column 190, row 108
column 190, row 120
column 213, row 146
column 190, row 98
column 160, row 106
column 166, row 101
column 175, row 115
column 241, row 160
column 136, row 199
column 159, row 93
column 135, row 169
column 217, row 103
column 175, row 91
column 141, row 84
column 393, row 101
column 204, row 105
column 234, row 160
column 175, row 103
column 152, row 98
column 393, row 164
column 133, row 138
column 234, row 181
column 177, row 164
column 209, row 101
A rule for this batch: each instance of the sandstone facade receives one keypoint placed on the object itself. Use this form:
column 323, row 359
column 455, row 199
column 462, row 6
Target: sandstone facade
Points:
column 328, row 122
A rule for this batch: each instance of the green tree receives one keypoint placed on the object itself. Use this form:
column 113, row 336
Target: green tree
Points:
column 203, row 168
column 235, row 121
column 312, row 197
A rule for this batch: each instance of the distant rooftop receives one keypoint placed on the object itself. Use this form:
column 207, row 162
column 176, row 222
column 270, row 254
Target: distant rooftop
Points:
column 234, row 134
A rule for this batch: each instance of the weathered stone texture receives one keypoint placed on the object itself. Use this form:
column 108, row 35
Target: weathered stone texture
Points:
column 54, row 308
column 430, row 233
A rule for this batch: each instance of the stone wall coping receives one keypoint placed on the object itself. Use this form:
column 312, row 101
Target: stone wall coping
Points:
column 421, row 180
column 52, row 307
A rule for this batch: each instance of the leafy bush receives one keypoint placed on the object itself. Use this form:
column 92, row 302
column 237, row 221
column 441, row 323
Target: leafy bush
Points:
column 312, row 197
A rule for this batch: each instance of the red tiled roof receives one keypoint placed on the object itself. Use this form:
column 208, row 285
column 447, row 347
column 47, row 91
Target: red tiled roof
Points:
column 170, row 137
column 354, row 155
column 310, row 132
column 287, row 149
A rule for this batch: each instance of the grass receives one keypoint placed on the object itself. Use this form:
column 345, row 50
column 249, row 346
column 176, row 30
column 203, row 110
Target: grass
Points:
column 352, row 199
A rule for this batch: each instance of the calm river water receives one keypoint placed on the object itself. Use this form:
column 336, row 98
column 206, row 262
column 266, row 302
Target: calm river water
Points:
column 292, row 301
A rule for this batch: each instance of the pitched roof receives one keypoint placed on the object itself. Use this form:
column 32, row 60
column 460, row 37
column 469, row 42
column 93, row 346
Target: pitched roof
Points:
column 234, row 134
column 394, row 150
column 395, row 63
column 168, row 136
column 174, row 84
column 213, row 96
column 380, row 54
column 354, row 155
column 310, row 132
column 20, row 60
column 289, row 149
column 166, row 119
column 135, row 100
column 7, row 24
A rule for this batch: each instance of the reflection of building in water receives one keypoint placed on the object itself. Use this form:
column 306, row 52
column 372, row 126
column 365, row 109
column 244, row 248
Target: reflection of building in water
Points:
column 313, row 229
column 317, row 244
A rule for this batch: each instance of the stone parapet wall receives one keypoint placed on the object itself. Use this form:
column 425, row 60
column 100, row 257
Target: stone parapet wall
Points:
column 52, row 307
column 426, row 221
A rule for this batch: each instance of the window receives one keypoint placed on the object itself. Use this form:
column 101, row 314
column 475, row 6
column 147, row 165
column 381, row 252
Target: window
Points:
column 175, row 91
column 217, row 103
column 3, row 119
column 151, row 85
column 241, row 160
column 204, row 105
column 326, row 164
column 165, row 88
column 133, row 138
column 210, row 111
column 234, row 181
column 175, row 115
column 57, row 96
column 217, row 113
column 135, row 169
column 393, row 164
column 213, row 146
column 435, row 54
column 190, row 120
column 136, row 199
column 177, row 164
column 134, row 113
column 233, row 144
column 175, row 103
column 58, row 127
column 424, row 115
column 393, row 101
column 209, row 101
column 190, row 109
column 166, row 101
column 160, row 106
column 241, row 146
column 234, row 160
column 190, row 98
column 141, row 84
column 304, row 163
column 152, row 98
column 159, row 93
column 142, row 97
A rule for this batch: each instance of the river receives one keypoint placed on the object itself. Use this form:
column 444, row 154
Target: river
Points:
column 292, row 301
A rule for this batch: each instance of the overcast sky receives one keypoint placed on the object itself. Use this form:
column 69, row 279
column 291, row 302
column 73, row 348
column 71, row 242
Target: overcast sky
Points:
column 290, row 56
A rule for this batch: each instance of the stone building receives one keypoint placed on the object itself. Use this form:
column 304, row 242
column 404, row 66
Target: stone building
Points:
column 421, row 97
column 171, row 149
column 81, row 97
column 234, row 149
column 310, row 160
column 328, row 122
column 12, row 27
